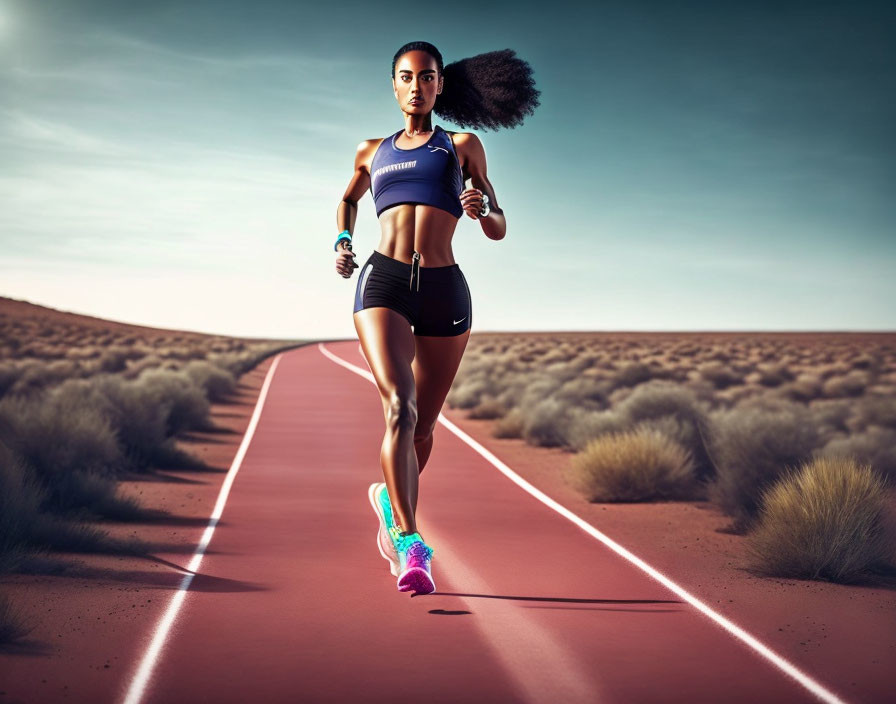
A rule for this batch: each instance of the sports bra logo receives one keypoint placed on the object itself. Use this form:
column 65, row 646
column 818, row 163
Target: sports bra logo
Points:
column 394, row 167
column 435, row 149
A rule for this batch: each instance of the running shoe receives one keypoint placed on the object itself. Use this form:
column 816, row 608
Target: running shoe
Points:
column 379, row 499
column 415, row 560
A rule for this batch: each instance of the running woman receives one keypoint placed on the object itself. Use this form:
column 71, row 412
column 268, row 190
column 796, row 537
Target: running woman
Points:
column 416, row 177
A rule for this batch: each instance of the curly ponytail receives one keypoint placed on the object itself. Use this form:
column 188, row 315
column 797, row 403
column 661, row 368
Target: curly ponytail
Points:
column 486, row 91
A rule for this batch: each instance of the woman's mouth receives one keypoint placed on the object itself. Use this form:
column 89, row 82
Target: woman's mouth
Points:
column 416, row 101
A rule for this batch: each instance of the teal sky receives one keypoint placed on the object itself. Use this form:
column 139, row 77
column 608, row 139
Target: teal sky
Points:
column 692, row 166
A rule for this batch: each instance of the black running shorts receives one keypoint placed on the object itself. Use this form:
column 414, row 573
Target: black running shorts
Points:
column 434, row 299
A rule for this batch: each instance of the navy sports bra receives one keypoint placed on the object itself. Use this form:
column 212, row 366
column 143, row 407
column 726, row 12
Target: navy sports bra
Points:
column 428, row 174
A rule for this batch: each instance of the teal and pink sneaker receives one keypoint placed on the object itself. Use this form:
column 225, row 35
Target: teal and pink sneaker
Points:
column 415, row 557
column 379, row 499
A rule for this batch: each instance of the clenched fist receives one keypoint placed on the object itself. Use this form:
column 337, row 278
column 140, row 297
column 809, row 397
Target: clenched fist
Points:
column 471, row 200
column 345, row 260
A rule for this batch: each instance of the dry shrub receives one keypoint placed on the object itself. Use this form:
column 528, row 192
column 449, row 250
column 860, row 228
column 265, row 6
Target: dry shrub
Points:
column 875, row 409
column 36, row 375
column 20, row 501
column 584, row 426
column 631, row 374
column 561, row 371
column 469, row 392
column 824, row 521
column 545, row 423
column 805, row 387
column 489, row 408
column 829, row 370
column 703, row 390
column 638, row 465
column 83, row 352
column 876, row 446
column 510, row 426
column 66, row 449
column 852, row 384
column 719, row 375
column 238, row 363
column 864, row 361
column 537, row 388
column 145, row 414
column 136, row 366
column 57, row 435
column 733, row 395
column 673, row 409
column 772, row 375
column 561, row 353
column 584, row 392
column 751, row 446
column 9, row 375
column 70, row 450
column 217, row 383
column 185, row 403
column 830, row 415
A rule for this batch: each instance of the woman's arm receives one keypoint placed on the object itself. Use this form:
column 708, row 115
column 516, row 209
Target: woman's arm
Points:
column 347, row 210
column 494, row 225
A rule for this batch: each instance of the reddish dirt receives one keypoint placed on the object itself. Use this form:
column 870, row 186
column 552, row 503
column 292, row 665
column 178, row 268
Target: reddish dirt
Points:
column 293, row 601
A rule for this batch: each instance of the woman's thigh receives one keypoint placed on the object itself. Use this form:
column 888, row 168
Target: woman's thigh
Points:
column 388, row 344
column 435, row 366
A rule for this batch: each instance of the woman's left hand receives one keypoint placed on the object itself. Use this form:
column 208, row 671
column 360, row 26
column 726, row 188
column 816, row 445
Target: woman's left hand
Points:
column 471, row 200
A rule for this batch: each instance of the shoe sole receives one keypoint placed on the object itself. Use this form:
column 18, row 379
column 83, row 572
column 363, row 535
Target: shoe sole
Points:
column 418, row 580
column 371, row 495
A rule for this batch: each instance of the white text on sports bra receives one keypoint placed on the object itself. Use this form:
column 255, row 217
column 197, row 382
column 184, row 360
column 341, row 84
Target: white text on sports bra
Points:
column 394, row 167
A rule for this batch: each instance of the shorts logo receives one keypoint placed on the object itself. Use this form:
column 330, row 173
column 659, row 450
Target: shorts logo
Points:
column 457, row 321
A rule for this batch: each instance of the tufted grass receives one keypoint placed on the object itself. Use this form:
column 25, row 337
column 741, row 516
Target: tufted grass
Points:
column 824, row 520
column 637, row 465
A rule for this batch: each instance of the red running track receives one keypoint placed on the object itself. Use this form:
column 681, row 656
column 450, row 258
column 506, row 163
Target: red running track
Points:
column 529, row 607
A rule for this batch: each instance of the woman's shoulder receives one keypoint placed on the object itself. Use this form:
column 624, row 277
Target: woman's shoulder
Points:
column 461, row 138
column 366, row 151
column 466, row 144
column 368, row 144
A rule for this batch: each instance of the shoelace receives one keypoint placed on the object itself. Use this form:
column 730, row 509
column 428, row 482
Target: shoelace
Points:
column 420, row 551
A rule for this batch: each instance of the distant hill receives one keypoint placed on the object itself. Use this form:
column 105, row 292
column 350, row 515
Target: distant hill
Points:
column 13, row 309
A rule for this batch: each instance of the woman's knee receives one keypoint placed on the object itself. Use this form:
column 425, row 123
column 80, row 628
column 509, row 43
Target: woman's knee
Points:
column 401, row 410
column 423, row 430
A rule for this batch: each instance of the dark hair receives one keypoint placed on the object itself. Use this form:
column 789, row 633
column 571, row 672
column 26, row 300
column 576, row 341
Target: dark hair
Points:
column 486, row 91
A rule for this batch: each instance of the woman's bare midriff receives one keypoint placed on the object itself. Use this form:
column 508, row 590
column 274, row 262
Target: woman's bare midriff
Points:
column 410, row 227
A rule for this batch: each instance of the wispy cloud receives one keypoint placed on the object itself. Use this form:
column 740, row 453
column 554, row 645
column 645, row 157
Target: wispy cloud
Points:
column 135, row 152
column 30, row 132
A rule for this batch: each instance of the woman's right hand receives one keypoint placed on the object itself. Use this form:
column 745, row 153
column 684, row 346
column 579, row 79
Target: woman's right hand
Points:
column 345, row 262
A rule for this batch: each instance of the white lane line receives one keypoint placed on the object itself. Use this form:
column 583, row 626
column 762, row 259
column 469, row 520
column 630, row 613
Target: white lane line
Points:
column 141, row 678
column 778, row 661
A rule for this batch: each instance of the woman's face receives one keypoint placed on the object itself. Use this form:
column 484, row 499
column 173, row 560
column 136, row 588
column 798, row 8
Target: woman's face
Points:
column 416, row 82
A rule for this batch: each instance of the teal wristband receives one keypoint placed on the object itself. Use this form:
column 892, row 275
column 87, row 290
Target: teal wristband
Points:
column 344, row 235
